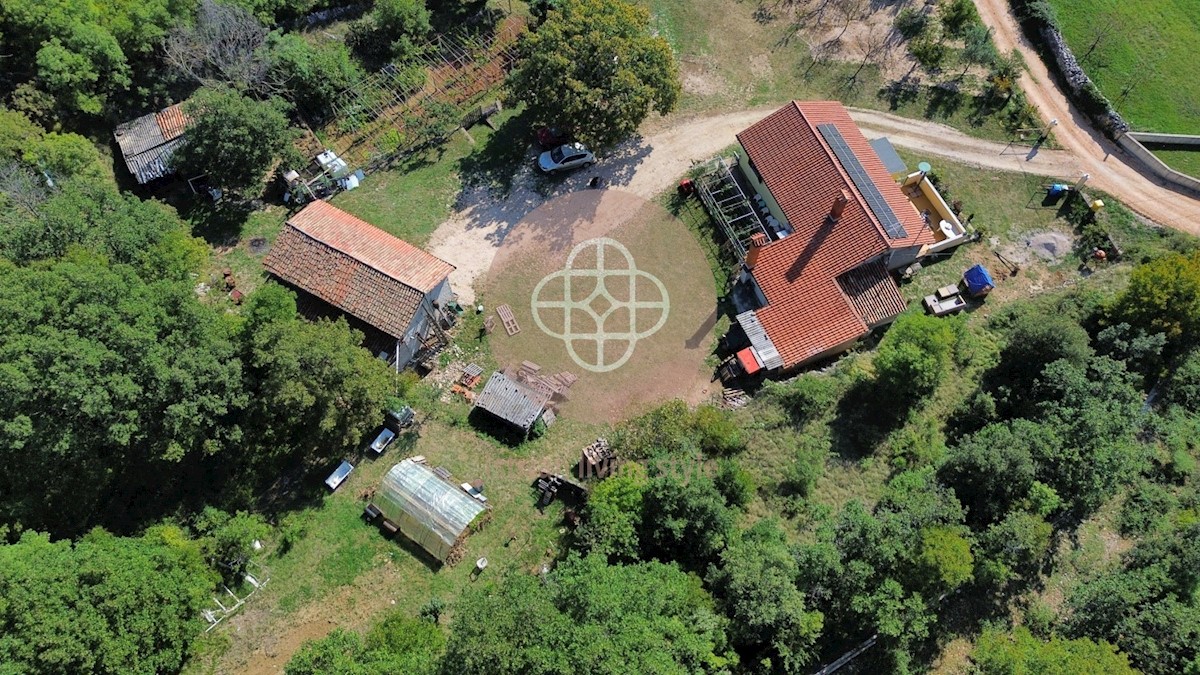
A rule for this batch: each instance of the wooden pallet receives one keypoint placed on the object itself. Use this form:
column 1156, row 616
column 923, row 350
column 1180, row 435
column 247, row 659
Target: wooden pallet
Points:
column 510, row 322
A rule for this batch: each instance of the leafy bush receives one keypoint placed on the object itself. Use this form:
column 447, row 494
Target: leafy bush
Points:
column 913, row 356
column 716, row 430
column 806, row 397
column 734, row 483
column 1184, row 388
column 911, row 23
column 1147, row 505
column 958, row 16
column 808, row 466
column 931, row 54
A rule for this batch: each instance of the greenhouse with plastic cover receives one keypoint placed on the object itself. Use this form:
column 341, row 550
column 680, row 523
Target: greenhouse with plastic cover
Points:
column 432, row 512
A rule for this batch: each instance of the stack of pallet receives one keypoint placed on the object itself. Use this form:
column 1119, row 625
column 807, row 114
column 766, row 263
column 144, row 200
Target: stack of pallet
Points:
column 734, row 398
column 597, row 460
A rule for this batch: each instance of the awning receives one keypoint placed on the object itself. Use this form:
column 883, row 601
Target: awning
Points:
column 749, row 361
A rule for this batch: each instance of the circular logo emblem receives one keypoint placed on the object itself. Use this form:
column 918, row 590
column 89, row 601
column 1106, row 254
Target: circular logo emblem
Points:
column 606, row 301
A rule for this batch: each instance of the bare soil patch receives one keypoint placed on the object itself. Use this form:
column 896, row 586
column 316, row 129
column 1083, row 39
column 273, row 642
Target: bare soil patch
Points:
column 620, row 370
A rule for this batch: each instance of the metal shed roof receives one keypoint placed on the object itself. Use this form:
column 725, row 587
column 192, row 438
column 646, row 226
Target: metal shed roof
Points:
column 427, row 509
column 512, row 401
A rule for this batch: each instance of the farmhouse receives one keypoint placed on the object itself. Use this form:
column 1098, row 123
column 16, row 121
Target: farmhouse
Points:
column 430, row 511
column 820, row 226
column 148, row 142
column 397, row 294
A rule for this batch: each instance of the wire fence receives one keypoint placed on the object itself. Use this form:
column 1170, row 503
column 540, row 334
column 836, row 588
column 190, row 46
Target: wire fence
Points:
column 405, row 107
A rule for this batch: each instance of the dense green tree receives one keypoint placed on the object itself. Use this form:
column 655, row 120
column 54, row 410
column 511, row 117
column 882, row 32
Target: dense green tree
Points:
column 313, row 76
column 595, row 68
column 1000, row 653
column 945, row 557
column 233, row 139
column 1094, row 410
column 663, row 431
column 1184, row 386
column 1034, row 340
column 92, row 214
column 395, row 30
column 227, row 539
column 755, row 583
column 397, row 644
column 104, row 604
column 1148, row 606
column 685, row 520
column 614, row 514
column 315, row 389
column 716, row 431
column 114, row 377
column 993, row 470
column 588, row 616
column 1163, row 296
column 734, row 483
column 1141, row 352
column 83, row 54
column 914, row 356
column 1014, row 548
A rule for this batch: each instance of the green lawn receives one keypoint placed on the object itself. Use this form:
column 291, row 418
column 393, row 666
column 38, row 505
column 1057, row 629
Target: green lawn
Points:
column 1152, row 49
column 344, row 572
column 1183, row 160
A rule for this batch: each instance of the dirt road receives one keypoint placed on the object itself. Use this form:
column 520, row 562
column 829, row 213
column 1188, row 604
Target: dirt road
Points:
column 1110, row 169
column 647, row 166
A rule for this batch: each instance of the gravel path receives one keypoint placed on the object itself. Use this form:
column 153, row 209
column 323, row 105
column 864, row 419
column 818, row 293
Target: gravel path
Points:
column 647, row 166
column 1110, row 169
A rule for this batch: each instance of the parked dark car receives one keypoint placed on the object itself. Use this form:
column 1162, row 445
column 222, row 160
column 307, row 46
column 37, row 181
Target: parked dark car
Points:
column 551, row 137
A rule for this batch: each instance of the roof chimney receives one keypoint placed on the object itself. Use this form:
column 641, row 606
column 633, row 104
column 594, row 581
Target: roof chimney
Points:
column 839, row 205
column 757, row 241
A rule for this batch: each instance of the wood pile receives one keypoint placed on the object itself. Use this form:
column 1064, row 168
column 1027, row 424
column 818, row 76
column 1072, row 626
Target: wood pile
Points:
column 734, row 398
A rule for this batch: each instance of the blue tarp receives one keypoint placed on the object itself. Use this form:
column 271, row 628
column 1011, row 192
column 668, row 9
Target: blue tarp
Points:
column 978, row 280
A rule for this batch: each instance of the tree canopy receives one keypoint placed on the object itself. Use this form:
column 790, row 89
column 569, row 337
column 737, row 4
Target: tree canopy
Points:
column 104, row 604
column 594, row 68
column 589, row 616
column 233, row 139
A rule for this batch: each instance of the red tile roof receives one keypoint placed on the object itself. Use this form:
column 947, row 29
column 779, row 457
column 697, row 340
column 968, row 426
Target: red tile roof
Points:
column 807, row 312
column 172, row 121
column 355, row 266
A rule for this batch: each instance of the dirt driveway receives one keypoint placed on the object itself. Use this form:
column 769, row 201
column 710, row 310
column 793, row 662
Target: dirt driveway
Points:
column 647, row 166
column 1110, row 169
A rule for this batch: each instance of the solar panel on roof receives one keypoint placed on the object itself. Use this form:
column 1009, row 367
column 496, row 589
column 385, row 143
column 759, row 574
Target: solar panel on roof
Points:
column 866, row 187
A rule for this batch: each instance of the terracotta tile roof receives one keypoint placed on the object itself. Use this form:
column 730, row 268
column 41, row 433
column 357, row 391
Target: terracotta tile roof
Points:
column 172, row 121
column 354, row 266
column 372, row 246
column 872, row 292
column 807, row 312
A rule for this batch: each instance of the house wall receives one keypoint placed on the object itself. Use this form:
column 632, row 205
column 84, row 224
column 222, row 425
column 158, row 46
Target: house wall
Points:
column 904, row 256
column 420, row 328
column 756, row 182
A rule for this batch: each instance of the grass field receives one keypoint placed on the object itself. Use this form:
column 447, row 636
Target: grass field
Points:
column 1148, row 46
column 344, row 572
column 1181, row 159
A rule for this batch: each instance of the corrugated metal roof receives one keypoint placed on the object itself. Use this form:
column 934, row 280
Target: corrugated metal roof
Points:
column 428, row 510
column 148, row 142
column 758, row 339
column 511, row 401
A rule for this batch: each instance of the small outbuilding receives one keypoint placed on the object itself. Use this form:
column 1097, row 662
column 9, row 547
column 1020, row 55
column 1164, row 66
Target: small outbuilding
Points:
column 148, row 142
column 512, row 402
column 433, row 513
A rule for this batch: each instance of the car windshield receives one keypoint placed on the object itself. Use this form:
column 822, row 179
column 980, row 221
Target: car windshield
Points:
column 556, row 155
